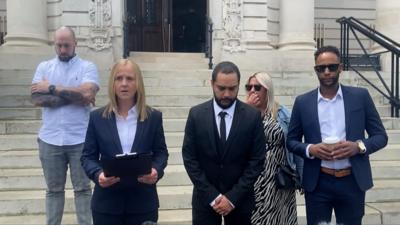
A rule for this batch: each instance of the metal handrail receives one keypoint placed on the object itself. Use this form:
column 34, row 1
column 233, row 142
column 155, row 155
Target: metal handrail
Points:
column 3, row 29
column 353, row 25
column 209, row 40
column 125, row 53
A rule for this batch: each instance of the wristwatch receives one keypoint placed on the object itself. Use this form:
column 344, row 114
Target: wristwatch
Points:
column 362, row 147
column 52, row 89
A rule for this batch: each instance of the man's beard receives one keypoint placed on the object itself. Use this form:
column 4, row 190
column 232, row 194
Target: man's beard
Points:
column 224, row 106
column 66, row 58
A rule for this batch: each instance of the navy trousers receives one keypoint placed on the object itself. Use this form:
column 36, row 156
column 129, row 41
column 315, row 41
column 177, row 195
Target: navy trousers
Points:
column 339, row 194
column 125, row 219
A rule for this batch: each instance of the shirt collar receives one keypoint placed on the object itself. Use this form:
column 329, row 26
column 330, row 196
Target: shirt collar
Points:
column 339, row 95
column 131, row 112
column 230, row 111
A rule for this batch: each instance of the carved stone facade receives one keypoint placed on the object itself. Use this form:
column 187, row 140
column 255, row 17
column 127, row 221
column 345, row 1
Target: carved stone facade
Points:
column 100, row 24
column 232, row 23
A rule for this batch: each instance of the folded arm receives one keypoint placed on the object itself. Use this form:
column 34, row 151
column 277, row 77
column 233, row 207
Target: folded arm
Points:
column 81, row 95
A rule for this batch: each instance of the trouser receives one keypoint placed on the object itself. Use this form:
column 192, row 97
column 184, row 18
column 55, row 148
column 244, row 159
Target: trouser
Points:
column 202, row 216
column 333, row 193
column 148, row 218
column 55, row 161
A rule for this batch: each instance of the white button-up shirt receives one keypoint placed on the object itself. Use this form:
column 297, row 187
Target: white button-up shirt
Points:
column 228, row 117
column 65, row 125
column 127, row 128
column 332, row 123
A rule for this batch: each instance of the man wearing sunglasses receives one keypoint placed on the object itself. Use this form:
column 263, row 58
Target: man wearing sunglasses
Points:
column 335, row 176
column 65, row 87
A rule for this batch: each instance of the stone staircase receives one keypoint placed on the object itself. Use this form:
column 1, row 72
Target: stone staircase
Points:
column 174, row 82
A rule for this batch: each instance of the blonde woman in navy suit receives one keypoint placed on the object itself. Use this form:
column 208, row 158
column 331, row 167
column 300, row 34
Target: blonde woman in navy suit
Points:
column 126, row 124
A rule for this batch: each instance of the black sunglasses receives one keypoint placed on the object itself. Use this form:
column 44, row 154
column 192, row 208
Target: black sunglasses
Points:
column 322, row 68
column 257, row 87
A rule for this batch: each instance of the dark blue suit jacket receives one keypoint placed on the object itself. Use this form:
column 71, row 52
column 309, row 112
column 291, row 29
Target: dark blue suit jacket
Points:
column 361, row 116
column 102, row 141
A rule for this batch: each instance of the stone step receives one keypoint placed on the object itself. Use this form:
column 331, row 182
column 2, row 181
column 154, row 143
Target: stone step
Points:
column 173, row 139
column 171, row 197
column 166, row 217
column 29, row 158
column 33, row 179
column 33, row 201
column 170, row 125
column 35, row 113
column 33, row 126
column 10, row 142
column 376, row 213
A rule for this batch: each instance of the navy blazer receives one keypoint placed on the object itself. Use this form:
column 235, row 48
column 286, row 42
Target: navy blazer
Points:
column 102, row 141
column 231, row 173
column 361, row 116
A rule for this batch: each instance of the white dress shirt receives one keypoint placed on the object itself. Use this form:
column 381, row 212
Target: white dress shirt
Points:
column 332, row 123
column 127, row 128
column 228, row 117
column 228, row 123
column 65, row 125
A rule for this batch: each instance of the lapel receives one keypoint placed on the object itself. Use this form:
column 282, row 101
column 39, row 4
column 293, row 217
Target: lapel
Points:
column 139, row 134
column 347, row 103
column 112, row 125
column 210, row 123
column 313, row 106
column 234, row 128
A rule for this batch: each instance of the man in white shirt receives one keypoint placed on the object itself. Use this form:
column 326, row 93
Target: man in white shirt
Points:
column 223, row 152
column 65, row 87
column 327, row 128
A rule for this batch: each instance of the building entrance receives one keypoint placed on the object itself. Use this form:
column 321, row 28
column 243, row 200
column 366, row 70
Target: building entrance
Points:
column 165, row 25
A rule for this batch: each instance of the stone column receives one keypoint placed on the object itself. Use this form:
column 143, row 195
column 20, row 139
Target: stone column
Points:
column 388, row 18
column 296, row 25
column 26, row 23
column 387, row 23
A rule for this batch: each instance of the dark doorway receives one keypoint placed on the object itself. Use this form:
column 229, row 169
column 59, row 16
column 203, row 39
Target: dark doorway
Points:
column 146, row 25
column 189, row 25
column 165, row 25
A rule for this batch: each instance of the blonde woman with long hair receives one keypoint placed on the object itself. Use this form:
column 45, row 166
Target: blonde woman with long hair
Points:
column 125, row 125
column 273, row 205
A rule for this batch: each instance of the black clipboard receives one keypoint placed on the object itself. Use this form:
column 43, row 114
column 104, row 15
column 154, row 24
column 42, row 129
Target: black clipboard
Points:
column 127, row 165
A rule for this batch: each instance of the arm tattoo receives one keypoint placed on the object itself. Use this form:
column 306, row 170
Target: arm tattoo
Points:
column 72, row 96
column 47, row 100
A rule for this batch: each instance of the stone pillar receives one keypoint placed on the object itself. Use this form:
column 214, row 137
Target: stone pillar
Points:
column 26, row 23
column 296, row 25
column 388, row 18
column 387, row 23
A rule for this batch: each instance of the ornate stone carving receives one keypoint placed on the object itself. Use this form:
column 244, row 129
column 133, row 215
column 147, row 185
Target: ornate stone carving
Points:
column 100, row 24
column 232, row 25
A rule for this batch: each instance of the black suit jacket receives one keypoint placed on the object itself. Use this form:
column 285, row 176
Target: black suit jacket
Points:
column 234, row 172
column 361, row 116
column 102, row 141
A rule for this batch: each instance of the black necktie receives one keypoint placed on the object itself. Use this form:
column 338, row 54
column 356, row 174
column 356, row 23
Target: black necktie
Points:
column 222, row 127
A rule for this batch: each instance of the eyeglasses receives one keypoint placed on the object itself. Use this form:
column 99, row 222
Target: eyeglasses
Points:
column 257, row 87
column 322, row 68
column 65, row 45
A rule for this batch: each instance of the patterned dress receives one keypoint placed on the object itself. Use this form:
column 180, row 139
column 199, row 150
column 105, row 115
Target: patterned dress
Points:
column 273, row 206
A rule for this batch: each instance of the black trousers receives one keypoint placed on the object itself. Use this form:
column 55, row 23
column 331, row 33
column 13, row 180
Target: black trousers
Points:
column 207, row 216
column 340, row 194
column 124, row 219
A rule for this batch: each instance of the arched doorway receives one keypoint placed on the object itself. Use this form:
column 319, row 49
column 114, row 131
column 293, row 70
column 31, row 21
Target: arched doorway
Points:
column 165, row 25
